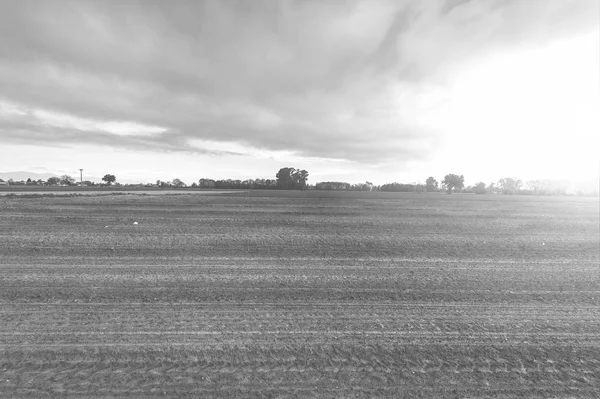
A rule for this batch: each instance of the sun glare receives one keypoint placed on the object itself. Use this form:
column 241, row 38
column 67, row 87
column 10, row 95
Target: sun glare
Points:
column 534, row 112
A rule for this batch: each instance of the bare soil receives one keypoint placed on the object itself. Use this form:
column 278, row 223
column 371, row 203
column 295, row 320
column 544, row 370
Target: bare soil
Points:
column 280, row 294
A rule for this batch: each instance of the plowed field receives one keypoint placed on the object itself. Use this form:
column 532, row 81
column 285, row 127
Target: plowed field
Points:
column 306, row 294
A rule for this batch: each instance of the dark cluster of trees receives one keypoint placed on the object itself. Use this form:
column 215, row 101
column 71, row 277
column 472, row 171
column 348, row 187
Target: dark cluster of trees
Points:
column 401, row 187
column 504, row 186
column 109, row 179
column 64, row 181
column 289, row 178
column 177, row 183
column 514, row 186
column 249, row 184
column 286, row 178
column 451, row 183
column 27, row 182
column 337, row 185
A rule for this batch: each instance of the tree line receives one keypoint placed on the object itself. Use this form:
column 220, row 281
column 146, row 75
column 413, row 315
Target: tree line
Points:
column 289, row 178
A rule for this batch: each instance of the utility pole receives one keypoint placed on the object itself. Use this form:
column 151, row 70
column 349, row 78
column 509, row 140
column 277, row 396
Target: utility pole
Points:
column 81, row 177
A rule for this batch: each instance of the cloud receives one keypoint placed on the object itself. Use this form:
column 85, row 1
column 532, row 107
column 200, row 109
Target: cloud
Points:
column 351, row 80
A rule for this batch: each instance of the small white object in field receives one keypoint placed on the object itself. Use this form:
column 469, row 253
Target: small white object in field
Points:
column 543, row 243
column 105, row 227
column 134, row 222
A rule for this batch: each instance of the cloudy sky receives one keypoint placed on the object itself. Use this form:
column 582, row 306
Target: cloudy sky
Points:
column 349, row 90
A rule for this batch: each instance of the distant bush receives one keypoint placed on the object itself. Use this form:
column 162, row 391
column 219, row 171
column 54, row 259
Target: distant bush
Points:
column 52, row 195
column 332, row 186
column 399, row 187
column 480, row 188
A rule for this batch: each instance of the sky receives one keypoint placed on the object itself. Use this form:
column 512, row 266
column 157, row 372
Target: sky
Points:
column 353, row 91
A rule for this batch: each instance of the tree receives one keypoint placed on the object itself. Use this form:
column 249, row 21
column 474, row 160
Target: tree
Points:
column 285, row 179
column 431, row 184
column 206, row 183
column 332, row 185
column 367, row 186
column 109, row 179
column 67, row 180
column 453, row 181
column 398, row 187
column 300, row 177
column 480, row 188
column 509, row 185
column 535, row 186
column 52, row 181
column 178, row 183
column 291, row 179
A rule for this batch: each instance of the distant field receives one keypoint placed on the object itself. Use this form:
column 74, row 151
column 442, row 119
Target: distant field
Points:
column 279, row 294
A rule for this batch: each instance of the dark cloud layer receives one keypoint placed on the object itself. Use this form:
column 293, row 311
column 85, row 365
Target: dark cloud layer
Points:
column 319, row 78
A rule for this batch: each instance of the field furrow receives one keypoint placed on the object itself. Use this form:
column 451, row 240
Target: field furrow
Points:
column 300, row 295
